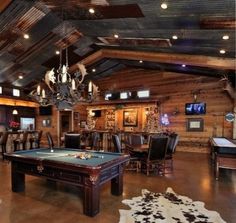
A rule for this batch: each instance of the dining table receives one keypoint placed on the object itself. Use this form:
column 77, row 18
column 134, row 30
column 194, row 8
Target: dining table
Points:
column 142, row 148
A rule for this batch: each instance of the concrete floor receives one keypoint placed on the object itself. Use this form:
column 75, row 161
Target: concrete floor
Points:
column 41, row 202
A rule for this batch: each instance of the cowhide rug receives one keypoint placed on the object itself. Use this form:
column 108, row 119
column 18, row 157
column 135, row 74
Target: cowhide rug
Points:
column 166, row 207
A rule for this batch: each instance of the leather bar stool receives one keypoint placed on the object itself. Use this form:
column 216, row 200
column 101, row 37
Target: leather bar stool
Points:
column 21, row 140
column 3, row 143
column 72, row 140
column 50, row 140
column 36, row 139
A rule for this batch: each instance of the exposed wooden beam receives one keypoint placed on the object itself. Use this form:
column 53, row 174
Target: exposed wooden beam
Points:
column 218, row 23
column 17, row 102
column 88, row 60
column 4, row 4
column 193, row 60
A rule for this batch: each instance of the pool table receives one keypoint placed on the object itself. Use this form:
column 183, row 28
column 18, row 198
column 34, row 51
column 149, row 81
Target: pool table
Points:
column 86, row 169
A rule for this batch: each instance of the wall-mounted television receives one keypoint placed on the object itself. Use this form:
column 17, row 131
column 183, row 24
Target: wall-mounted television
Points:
column 45, row 110
column 198, row 108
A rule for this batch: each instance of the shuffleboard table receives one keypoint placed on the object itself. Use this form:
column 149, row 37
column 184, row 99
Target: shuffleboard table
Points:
column 86, row 169
column 224, row 154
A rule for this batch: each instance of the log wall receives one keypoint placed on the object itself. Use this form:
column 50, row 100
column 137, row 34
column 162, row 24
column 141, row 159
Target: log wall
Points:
column 181, row 89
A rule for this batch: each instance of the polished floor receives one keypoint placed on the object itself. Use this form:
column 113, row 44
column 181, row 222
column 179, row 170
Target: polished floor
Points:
column 41, row 202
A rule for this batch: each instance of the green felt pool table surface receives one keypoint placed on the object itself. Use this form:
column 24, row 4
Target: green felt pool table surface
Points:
column 70, row 156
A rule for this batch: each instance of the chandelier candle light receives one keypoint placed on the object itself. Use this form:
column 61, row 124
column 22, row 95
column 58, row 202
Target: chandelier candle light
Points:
column 64, row 89
column 61, row 88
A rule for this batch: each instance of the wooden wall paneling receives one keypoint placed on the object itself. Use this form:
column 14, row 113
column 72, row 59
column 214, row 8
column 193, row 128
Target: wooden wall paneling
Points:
column 180, row 88
column 80, row 110
column 52, row 127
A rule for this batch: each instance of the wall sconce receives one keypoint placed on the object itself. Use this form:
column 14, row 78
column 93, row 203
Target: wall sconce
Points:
column 176, row 111
column 195, row 94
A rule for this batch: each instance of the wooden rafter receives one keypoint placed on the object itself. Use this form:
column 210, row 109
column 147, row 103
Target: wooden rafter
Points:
column 193, row 60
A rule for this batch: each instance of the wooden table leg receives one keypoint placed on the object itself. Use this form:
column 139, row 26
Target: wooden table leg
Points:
column 17, row 179
column 117, row 183
column 91, row 199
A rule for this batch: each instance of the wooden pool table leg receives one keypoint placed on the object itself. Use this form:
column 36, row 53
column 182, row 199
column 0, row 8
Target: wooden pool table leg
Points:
column 117, row 182
column 17, row 179
column 91, row 199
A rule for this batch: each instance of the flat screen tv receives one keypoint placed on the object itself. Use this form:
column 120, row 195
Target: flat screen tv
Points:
column 197, row 108
column 45, row 110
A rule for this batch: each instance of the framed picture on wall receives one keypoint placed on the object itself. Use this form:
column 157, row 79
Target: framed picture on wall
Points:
column 130, row 117
column 83, row 123
column 195, row 124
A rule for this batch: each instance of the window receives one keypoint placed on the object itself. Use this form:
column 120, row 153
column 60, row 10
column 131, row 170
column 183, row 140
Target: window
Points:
column 125, row 95
column 143, row 94
column 0, row 90
column 16, row 92
column 107, row 96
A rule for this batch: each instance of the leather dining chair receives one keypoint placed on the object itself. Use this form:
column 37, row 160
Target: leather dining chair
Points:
column 3, row 143
column 172, row 144
column 50, row 140
column 72, row 140
column 135, row 139
column 20, row 140
column 135, row 163
column 117, row 143
column 155, row 158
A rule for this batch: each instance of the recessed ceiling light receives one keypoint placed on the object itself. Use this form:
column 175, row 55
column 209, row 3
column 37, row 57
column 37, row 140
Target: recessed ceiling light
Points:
column 164, row 6
column 93, row 70
column 26, row 36
column 116, row 36
column 222, row 51
column 183, row 65
column 174, row 37
column 225, row 37
column 91, row 10
column 140, row 61
column 57, row 52
column 20, row 77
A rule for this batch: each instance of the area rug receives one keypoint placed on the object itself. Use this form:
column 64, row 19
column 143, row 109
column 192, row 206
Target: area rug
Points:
column 166, row 207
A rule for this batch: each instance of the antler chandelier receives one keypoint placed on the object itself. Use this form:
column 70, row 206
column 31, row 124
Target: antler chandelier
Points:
column 62, row 89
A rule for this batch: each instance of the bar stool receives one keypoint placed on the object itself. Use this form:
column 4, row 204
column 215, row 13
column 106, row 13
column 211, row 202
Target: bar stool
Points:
column 94, row 141
column 50, row 140
column 117, row 143
column 36, row 139
column 72, row 140
column 3, row 143
column 20, row 141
